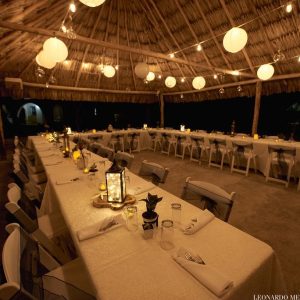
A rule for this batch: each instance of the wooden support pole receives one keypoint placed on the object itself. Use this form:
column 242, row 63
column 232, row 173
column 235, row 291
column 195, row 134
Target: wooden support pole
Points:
column 162, row 113
column 256, row 107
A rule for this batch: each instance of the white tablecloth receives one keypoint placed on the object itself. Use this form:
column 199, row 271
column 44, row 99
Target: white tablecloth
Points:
column 122, row 265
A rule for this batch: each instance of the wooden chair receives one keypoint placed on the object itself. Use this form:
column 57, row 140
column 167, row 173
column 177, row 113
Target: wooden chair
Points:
column 183, row 144
column 117, row 142
column 168, row 142
column 156, row 140
column 157, row 173
column 211, row 197
column 198, row 147
column 133, row 139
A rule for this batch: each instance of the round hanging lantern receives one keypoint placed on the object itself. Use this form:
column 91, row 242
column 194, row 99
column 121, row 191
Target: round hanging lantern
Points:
column 150, row 76
column 235, row 39
column 170, row 82
column 43, row 60
column 92, row 3
column 265, row 72
column 109, row 71
column 56, row 49
column 198, row 82
column 141, row 70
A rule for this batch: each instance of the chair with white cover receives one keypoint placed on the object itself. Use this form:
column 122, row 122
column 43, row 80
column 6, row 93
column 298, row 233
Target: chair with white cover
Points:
column 168, row 142
column 156, row 140
column 133, row 140
column 183, row 144
column 117, row 142
column 218, row 151
column 106, row 152
column 198, row 148
column 280, row 162
column 124, row 159
column 242, row 153
column 31, row 272
column 212, row 197
column 49, row 229
column 96, row 138
column 153, row 171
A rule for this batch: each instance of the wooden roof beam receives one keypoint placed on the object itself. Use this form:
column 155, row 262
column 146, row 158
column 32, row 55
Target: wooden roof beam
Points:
column 232, row 23
column 127, row 35
column 228, row 85
column 88, row 46
column 118, row 41
column 194, row 34
column 105, row 44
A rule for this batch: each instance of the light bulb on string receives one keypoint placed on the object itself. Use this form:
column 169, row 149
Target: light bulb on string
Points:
column 215, row 76
column 172, row 55
column 182, row 79
column 289, row 8
column 63, row 28
column 221, row 91
column 199, row 47
column 72, row 7
column 117, row 67
column 239, row 88
column 299, row 59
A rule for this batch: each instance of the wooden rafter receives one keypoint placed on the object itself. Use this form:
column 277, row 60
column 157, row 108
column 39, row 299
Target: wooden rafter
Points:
column 128, row 44
column 162, row 39
column 194, row 35
column 212, row 34
column 15, row 37
column 87, row 48
column 232, row 23
column 105, row 39
column 118, row 41
column 233, row 84
column 42, row 31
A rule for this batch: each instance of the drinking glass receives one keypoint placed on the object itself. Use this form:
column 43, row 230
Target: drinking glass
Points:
column 176, row 214
column 167, row 232
column 131, row 217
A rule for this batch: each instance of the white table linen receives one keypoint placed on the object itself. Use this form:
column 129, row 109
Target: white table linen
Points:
column 123, row 265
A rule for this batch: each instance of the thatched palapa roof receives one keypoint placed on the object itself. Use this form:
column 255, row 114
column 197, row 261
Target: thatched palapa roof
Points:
column 124, row 33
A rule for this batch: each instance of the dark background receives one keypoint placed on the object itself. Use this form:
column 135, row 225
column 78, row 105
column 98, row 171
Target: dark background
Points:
column 277, row 115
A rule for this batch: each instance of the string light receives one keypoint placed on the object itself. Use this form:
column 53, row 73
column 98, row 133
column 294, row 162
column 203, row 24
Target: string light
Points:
column 299, row 59
column 172, row 55
column 181, row 96
column 215, row 76
column 63, row 28
column 117, row 67
column 199, row 47
column 182, row 79
column 159, row 76
column 289, row 8
column 72, row 7
column 235, row 73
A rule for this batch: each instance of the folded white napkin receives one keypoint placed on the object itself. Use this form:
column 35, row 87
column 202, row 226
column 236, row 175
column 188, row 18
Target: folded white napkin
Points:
column 66, row 180
column 100, row 227
column 206, row 275
column 198, row 222
column 53, row 162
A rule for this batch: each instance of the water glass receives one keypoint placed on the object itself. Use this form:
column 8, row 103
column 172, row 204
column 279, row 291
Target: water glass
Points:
column 167, row 233
column 131, row 217
column 176, row 214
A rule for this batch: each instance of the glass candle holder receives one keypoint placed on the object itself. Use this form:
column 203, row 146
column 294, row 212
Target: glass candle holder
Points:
column 176, row 214
column 167, row 232
column 131, row 217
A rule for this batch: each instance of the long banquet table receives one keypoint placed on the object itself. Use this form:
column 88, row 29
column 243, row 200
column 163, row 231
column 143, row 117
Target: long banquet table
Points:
column 124, row 265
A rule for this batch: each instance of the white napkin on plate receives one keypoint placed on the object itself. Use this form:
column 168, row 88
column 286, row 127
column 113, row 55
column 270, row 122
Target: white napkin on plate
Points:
column 211, row 278
column 198, row 222
column 100, row 227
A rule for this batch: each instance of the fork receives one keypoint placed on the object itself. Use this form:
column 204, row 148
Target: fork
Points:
column 197, row 259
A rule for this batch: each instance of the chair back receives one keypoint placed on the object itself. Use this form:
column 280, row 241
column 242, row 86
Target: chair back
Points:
column 212, row 197
column 106, row 153
column 156, row 172
column 124, row 159
column 240, row 147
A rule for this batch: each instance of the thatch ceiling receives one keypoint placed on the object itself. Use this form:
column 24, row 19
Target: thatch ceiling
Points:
column 140, row 30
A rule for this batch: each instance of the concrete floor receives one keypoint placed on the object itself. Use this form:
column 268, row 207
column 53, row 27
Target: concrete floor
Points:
column 267, row 211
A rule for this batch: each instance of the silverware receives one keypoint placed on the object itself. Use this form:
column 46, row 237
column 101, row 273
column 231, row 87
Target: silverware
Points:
column 74, row 179
column 197, row 259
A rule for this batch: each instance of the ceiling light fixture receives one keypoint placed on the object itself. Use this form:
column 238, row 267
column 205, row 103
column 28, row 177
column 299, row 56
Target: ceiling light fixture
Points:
column 235, row 39
column 56, row 49
column 170, row 82
column 150, row 76
column 198, row 82
column 265, row 72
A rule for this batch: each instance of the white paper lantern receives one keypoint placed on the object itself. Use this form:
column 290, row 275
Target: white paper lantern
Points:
column 265, row 72
column 109, row 71
column 92, row 3
column 170, row 82
column 56, row 49
column 43, row 60
column 235, row 39
column 150, row 76
column 141, row 70
column 198, row 82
